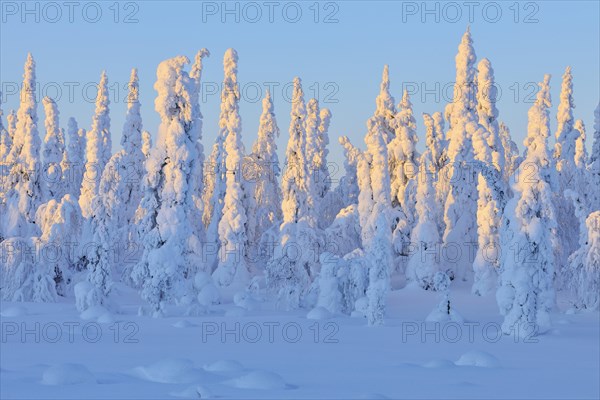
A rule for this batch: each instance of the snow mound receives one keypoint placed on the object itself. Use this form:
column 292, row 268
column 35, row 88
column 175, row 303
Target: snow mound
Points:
column 176, row 370
column 263, row 380
column 236, row 312
column 15, row 311
column 441, row 363
column 246, row 300
column 224, row 366
column 95, row 312
column 318, row 313
column 67, row 374
column 106, row 318
column 442, row 316
column 194, row 392
column 476, row 358
column 184, row 323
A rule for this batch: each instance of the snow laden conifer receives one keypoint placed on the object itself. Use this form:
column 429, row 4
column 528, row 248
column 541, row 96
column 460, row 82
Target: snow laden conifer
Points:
column 403, row 155
column 491, row 190
column 196, row 75
column 564, row 157
column 347, row 190
column 374, row 213
column 5, row 145
column 385, row 106
column 95, row 290
column 53, row 153
column 288, row 272
column 512, row 158
column 232, row 269
column 584, row 264
column 594, row 165
column 425, row 261
column 582, row 174
column 171, row 254
column 266, row 211
column 436, row 154
column 26, row 192
column 60, row 224
column 73, row 161
column 97, row 150
column 122, row 178
column 526, row 294
column 146, row 143
column 5, row 140
column 461, row 204
column 487, row 95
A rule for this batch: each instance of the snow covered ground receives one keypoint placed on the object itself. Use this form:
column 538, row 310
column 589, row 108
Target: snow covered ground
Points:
column 259, row 352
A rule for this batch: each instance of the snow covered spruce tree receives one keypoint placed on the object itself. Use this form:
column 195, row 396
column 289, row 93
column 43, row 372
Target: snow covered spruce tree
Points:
column 512, row 158
column 594, row 165
column 491, row 189
column 5, row 145
column 60, row 223
column 265, row 213
column 232, row 270
column 53, row 153
column 97, row 150
column 374, row 207
column 196, row 74
column 171, row 255
column 73, row 160
column 437, row 149
column 461, row 204
column 146, row 143
column 122, row 178
column 526, row 294
column 289, row 271
column 584, row 264
column 564, row 157
column 26, row 192
column 347, row 190
column 425, row 262
column 385, row 106
column 94, row 291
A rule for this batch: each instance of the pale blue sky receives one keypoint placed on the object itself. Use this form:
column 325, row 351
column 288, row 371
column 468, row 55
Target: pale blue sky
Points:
column 343, row 59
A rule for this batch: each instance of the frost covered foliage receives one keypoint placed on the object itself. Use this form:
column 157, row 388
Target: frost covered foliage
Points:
column 347, row 190
column 25, row 187
column 425, row 261
column 403, row 159
column 95, row 289
column 564, row 155
column 97, row 150
column 491, row 189
column 385, row 108
column 512, row 158
column 232, row 270
column 146, row 143
column 526, row 293
column 265, row 210
column 122, row 178
column 73, row 160
column 289, row 271
column 54, row 148
column 584, row 264
column 436, row 153
column 461, row 203
column 594, row 165
column 171, row 255
column 40, row 268
column 374, row 206
column 344, row 234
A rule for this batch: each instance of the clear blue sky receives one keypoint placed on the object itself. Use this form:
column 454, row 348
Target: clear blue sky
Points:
column 343, row 59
